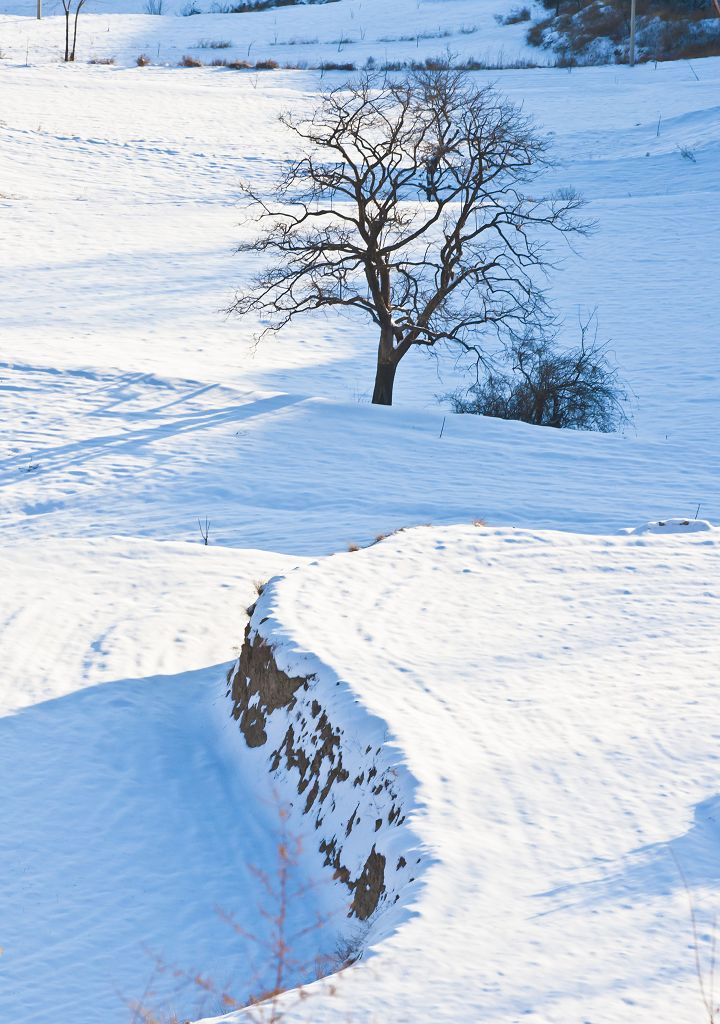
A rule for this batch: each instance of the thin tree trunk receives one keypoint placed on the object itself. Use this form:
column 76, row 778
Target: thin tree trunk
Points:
column 384, row 380
column 77, row 14
column 67, row 36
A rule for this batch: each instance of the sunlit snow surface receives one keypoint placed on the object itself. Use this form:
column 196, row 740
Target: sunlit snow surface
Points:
column 131, row 407
column 555, row 699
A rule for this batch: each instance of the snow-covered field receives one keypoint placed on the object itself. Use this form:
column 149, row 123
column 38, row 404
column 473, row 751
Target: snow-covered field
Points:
column 131, row 407
column 347, row 31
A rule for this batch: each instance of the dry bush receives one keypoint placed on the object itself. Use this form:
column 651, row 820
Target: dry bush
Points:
column 265, row 1005
column 247, row 6
column 190, row 62
column 331, row 65
column 101, row 60
column 266, row 65
column 536, row 34
column 450, row 62
column 661, row 39
column 213, row 44
column 597, row 31
column 239, row 65
column 536, row 382
column 514, row 17
column 143, row 60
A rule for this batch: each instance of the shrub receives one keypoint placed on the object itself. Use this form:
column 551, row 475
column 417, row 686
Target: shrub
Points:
column 143, row 60
column 536, row 34
column 536, row 382
column 664, row 39
column 246, row 6
column 278, row 885
column 214, row 44
column 154, row 7
column 597, row 31
column 190, row 9
column 239, row 65
column 101, row 60
column 514, row 17
column 190, row 62
column 266, row 65
column 332, row 65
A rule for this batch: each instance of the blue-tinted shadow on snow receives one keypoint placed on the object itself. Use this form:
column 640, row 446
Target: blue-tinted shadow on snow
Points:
column 658, row 869
column 129, row 817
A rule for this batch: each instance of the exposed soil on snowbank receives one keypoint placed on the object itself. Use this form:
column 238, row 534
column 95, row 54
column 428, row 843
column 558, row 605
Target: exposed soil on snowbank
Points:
column 347, row 786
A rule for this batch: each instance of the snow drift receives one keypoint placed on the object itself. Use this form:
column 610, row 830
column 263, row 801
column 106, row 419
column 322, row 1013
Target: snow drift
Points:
column 549, row 708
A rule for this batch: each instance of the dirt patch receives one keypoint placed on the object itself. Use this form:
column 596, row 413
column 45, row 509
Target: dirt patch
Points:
column 351, row 793
column 370, row 886
column 258, row 687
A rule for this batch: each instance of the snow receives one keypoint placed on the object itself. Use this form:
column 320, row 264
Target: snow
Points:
column 557, row 724
column 128, row 822
column 309, row 34
column 552, row 695
column 674, row 526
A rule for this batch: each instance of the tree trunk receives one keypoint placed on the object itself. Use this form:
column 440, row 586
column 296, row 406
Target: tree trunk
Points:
column 77, row 15
column 67, row 36
column 384, row 380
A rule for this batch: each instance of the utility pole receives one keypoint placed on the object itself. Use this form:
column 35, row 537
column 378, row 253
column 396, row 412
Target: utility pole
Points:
column 632, row 33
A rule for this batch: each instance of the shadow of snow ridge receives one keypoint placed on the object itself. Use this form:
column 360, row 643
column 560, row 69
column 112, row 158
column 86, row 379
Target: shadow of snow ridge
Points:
column 690, row 860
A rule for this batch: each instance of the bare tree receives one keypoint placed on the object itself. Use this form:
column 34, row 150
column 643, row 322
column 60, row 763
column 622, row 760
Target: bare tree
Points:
column 407, row 204
column 69, row 12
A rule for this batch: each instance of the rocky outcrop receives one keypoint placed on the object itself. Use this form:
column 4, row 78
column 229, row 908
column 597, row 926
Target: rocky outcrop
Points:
column 348, row 789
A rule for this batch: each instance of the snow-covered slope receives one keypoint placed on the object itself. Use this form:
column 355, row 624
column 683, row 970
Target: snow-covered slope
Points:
column 344, row 31
column 121, row 371
column 130, row 818
column 554, row 698
column 130, row 407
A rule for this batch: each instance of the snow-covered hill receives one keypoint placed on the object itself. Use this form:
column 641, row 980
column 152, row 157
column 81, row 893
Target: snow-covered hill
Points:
column 553, row 699
column 131, row 407
column 344, row 31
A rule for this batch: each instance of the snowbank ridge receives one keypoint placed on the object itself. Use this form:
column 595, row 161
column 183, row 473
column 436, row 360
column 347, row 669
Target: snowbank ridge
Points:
column 330, row 760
